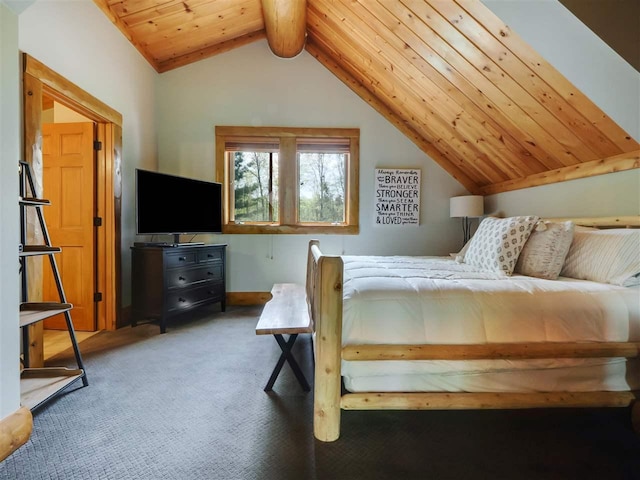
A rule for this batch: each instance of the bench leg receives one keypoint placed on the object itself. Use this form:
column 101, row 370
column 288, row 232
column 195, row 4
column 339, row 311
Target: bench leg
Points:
column 286, row 355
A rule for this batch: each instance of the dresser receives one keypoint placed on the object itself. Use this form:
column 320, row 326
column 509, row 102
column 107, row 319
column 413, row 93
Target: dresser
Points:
column 170, row 280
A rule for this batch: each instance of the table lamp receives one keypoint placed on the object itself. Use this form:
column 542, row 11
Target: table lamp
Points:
column 467, row 207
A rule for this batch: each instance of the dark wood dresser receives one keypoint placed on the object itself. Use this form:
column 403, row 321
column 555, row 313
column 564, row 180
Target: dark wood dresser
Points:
column 170, row 280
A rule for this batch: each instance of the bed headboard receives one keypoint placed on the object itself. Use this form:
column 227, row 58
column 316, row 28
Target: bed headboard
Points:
column 626, row 221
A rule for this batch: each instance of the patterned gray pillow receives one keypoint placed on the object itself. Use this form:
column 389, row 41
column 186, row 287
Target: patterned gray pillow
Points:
column 497, row 243
column 544, row 253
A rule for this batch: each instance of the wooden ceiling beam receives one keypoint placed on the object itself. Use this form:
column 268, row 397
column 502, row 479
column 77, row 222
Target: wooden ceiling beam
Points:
column 285, row 22
column 616, row 163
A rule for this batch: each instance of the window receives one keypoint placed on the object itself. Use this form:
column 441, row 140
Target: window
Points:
column 288, row 180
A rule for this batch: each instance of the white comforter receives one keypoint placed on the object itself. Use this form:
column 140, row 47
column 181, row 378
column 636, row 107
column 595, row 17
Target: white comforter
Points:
column 436, row 300
column 416, row 300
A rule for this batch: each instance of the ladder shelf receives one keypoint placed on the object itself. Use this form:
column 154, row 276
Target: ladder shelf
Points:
column 39, row 385
column 31, row 250
column 32, row 312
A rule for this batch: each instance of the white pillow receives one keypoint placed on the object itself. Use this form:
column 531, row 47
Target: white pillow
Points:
column 607, row 256
column 544, row 253
column 497, row 243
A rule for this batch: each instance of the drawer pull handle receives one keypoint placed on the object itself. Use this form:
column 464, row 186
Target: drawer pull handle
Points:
column 210, row 273
column 182, row 259
column 182, row 300
column 182, row 279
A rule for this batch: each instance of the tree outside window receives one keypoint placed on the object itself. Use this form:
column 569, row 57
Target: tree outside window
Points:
column 255, row 182
column 322, row 188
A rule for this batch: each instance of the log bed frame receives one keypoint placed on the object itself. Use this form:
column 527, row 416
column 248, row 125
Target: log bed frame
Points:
column 324, row 298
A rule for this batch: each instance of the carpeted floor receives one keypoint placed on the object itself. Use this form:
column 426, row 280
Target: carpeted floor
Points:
column 190, row 405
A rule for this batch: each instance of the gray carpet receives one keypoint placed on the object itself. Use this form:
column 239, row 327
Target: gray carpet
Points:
column 190, row 405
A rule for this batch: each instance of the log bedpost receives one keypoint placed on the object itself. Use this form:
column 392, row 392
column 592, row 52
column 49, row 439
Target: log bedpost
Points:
column 327, row 383
column 285, row 22
column 15, row 430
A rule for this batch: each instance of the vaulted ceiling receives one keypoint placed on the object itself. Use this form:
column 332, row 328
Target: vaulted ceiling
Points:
column 449, row 74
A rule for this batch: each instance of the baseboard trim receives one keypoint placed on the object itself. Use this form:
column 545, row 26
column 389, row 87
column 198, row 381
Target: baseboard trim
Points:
column 15, row 430
column 248, row 298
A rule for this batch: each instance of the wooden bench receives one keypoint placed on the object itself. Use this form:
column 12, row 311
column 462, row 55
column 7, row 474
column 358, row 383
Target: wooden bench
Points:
column 286, row 314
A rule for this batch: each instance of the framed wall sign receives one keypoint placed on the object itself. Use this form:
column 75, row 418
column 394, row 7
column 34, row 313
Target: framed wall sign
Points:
column 397, row 196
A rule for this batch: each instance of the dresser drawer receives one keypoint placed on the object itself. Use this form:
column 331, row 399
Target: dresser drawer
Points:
column 180, row 259
column 185, row 299
column 177, row 278
column 210, row 255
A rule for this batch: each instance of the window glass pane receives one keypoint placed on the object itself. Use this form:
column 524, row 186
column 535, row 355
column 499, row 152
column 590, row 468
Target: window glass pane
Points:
column 322, row 187
column 255, row 186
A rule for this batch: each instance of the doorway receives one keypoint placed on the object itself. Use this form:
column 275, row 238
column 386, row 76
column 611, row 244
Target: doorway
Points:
column 40, row 83
column 69, row 183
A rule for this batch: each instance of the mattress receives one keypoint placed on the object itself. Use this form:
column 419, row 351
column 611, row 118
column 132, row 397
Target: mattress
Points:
column 400, row 300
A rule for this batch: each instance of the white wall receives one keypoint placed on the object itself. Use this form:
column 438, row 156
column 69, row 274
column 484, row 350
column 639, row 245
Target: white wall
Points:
column 603, row 76
column 9, row 233
column 249, row 86
column 78, row 41
column 63, row 114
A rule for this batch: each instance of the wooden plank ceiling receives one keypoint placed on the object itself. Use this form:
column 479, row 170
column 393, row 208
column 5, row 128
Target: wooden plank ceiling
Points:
column 449, row 74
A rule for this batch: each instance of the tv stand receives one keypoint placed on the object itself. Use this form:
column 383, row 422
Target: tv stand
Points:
column 169, row 279
column 176, row 240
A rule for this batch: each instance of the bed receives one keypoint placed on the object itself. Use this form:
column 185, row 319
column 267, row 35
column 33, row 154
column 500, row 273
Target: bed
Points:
column 447, row 333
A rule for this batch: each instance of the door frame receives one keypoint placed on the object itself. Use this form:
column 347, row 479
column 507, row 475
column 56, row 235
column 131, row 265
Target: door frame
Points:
column 39, row 79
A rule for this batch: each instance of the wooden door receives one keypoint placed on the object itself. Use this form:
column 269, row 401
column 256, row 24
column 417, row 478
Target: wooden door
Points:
column 69, row 183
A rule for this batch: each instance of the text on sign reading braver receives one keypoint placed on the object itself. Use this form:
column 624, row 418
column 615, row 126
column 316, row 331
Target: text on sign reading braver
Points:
column 397, row 196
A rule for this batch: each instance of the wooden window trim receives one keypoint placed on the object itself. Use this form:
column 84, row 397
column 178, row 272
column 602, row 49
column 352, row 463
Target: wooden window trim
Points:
column 288, row 190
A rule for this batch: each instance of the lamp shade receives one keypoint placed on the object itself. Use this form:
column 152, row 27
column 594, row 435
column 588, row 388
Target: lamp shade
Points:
column 466, row 206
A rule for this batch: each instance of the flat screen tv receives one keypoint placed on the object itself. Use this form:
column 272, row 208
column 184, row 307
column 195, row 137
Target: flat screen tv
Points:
column 173, row 205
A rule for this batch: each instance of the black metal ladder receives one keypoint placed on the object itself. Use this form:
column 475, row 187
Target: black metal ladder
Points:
column 27, row 185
